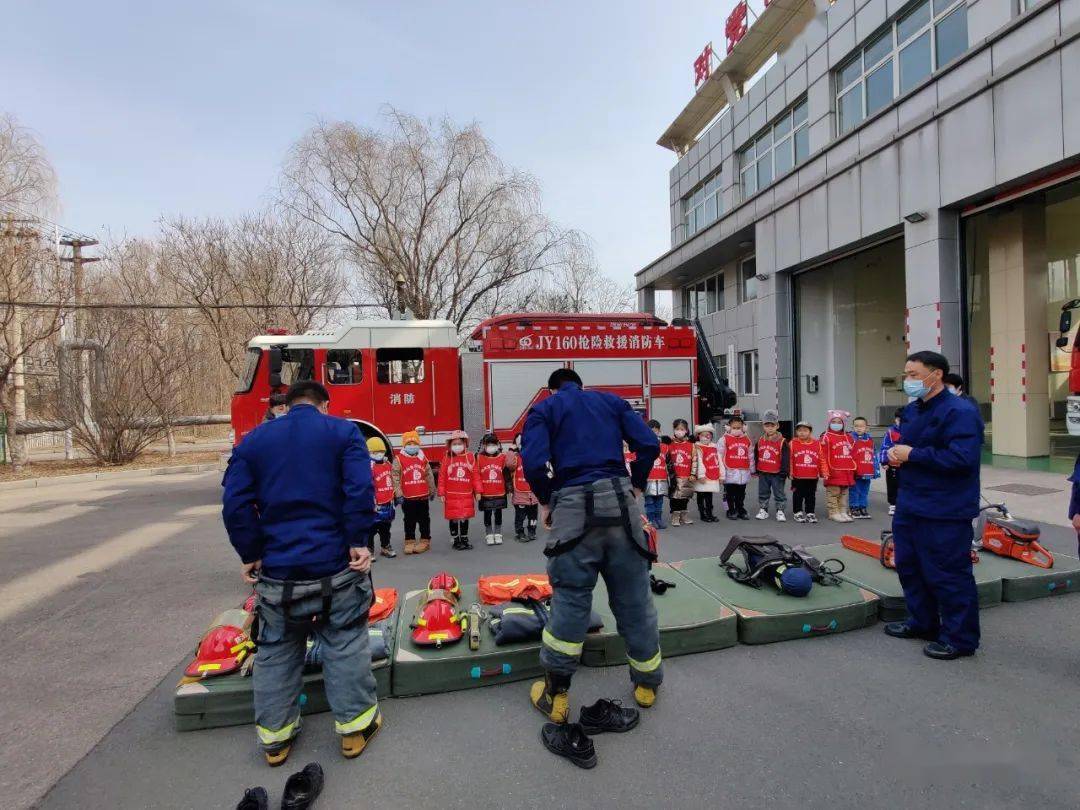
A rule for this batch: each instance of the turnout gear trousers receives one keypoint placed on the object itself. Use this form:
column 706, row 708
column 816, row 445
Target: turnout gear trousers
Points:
column 606, row 540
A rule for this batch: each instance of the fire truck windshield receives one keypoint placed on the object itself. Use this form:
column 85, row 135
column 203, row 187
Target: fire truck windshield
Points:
column 297, row 365
column 247, row 373
column 399, row 366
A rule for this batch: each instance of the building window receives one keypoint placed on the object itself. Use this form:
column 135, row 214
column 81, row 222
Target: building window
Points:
column 748, row 280
column 782, row 146
column 702, row 206
column 703, row 298
column 748, row 373
column 721, row 365
column 924, row 38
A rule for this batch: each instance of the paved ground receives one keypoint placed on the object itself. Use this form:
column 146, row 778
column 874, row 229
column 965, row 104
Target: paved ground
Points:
column 105, row 587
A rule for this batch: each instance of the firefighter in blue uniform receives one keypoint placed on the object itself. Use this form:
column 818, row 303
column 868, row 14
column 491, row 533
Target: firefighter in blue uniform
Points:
column 572, row 449
column 299, row 507
column 938, row 458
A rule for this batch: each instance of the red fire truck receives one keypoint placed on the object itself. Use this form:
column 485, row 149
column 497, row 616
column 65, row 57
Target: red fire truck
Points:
column 393, row 376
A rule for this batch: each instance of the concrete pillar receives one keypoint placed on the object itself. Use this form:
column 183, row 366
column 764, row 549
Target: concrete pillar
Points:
column 1019, row 347
column 932, row 284
column 647, row 300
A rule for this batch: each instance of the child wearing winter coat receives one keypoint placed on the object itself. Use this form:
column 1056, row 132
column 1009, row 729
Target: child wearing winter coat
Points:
column 656, row 487
column 706, row 471
column 526, row 506
column 892, row 477
column 680, row 462
column 807, row 466
column 836, row 447
column 771, row 462
column 382, row 476
column 866, row 469
column 491, row 486
column 414, row 488
column 457, row 488
column 737, row 452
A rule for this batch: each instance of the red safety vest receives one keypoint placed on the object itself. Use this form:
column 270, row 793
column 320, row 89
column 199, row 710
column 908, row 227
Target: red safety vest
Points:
column 414, row 476
column 628, row 457
column 863, row 450
column 770, row 454
column 838, row 449
column 383, row 473
column 681, row 457
column 805, row 458
column 737, row 452
column 710, row 460
column 520, row 482
column 490, row 469
column 659, row 466
column 458, row 475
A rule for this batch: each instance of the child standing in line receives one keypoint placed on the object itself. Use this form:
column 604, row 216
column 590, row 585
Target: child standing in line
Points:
column 892, row 477
column 836, row 452
column 706, row 471
column 807, row 465
column 526, row 506
column 656, row 487
column 457, row 488
column 414, row 488
column 771, row 460
column 866, row 469
column 382, row 476
column 491, row 486
column 737, row 452
column 681, row 459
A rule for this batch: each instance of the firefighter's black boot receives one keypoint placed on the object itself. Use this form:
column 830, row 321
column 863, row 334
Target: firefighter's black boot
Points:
column 551, row 697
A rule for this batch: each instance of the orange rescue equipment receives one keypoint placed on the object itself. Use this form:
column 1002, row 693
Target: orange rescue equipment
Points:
column 1018, row 539
column 498, row 588
column 384, row 604
column 437, row 620
column 882, row 551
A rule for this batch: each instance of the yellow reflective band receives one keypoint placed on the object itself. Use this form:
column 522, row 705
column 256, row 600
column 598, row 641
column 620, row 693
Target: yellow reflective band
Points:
column 283, row 734
column 359, row 723
column 560, row 646
column 208, row 667
column 646, row 666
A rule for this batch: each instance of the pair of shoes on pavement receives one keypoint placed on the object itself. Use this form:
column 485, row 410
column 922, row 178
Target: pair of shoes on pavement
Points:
column 461, row 544
column 494, row 539
column 571, row 740
column 841, row 517
column 763, row 514
column 860, row 514
column 938, row 650
column 301, row 790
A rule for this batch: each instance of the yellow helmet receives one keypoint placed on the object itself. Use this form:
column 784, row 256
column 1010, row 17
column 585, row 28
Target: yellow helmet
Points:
column 376, row 445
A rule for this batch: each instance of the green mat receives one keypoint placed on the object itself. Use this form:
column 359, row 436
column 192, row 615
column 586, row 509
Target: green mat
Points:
column 691, row 620
column 868, row 573
column 228, row 701
column 424, row 670
column 766, row 615
column 1021, row 582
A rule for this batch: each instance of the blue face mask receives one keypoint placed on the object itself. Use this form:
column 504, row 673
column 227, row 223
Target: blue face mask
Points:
column 916, row 388
column 412, row 450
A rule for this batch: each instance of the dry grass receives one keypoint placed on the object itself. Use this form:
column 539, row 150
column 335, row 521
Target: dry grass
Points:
column 53, row 467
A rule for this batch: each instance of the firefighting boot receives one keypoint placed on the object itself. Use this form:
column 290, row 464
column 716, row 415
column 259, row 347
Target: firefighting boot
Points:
column 551, row 697
column 353, row 745
column 645, row 696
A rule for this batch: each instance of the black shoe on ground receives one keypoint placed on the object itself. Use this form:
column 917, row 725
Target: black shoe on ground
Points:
column 732, row 515
column 520, row 536
column 569, row 741
column 254, row 799
column 465, row 544
column 303, row 787
column 532, row 535
column 905, row 630
column 743, row 515
column 608, row 715
column 940, row 651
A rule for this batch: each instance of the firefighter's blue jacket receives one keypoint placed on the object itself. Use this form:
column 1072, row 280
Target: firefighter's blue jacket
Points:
column 298, row 493
column 581, row 433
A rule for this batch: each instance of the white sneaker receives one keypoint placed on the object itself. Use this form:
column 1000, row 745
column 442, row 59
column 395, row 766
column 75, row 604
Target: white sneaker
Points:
column 780, row 516
column 847, row 517
column 811, row 517
column 800, row 517
column 490, row 539
column 837, row 517
column 892, row 510
column 498, row 539
column 762, row 514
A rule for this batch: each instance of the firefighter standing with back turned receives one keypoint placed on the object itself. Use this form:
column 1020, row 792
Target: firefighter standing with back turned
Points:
column 589, row 506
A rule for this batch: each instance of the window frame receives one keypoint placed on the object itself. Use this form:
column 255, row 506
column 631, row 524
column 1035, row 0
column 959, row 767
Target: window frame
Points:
column 744, row 389
column 892, row 55
column 304, row 364
column 756, row 153
column 698, row 291
column 252, row 360
column 743, row 297
column 357, row 362
column 387, row 377
column 694, row 206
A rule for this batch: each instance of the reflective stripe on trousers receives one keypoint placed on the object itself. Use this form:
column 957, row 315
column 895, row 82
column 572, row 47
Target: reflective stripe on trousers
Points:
column 281, row 735
column 560, row 646
column 358, row 723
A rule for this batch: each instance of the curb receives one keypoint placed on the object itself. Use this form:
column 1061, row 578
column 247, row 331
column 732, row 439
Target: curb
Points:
column 35, row 483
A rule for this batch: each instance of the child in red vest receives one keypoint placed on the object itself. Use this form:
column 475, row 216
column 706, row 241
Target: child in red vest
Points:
column 681, row 458
column 707, row 471
column 382, row 476
column 457, row 488
column 771, row 461
column 491, row 486
column 836, row 448
column 866, row 469
column 737, row 451
column 526, row 506
column 656, row 487
column 807, row 465
column 414, row 487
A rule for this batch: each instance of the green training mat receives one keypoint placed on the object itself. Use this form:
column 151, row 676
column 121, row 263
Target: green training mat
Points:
column 229, row 700
column 691, row 621
column 1021, row 582
column 424, row 670
column 868, row 573
column 766, row 615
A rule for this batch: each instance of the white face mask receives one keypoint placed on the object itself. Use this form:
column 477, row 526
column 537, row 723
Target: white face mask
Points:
column 491, row 449
column 680, row 434
column 736, row 432
column 952, row 389
column 836, row 426
column 378, row 458
column 705, row 438
column 457, row 448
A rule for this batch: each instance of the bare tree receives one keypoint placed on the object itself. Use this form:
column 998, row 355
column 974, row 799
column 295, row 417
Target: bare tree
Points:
column 575, row 284
column 429, row 203
column 27, row 178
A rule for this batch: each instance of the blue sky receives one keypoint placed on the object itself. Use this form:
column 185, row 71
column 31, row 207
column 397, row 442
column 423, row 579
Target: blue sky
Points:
column 149, row 109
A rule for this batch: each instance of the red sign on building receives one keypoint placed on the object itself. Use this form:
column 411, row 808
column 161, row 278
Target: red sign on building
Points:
column 703, row 65
column 735, row 29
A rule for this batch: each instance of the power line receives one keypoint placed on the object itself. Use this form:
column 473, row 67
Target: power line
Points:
column 70, row 306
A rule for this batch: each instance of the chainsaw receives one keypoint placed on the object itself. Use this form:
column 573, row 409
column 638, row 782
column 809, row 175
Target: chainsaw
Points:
column 1007, row 536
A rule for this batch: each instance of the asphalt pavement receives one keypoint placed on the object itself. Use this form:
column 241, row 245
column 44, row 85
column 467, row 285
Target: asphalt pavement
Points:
column 105, row 588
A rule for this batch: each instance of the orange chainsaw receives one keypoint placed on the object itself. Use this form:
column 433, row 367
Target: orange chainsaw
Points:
column 1008, row 537
column 883, row 551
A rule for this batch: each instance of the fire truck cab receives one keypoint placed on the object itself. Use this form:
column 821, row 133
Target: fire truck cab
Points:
column 387, row 376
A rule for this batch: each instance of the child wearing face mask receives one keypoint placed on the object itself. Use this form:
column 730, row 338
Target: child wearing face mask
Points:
column 382, row 476
column 491, row 486
column 457, row 488
column 836, row 451
column 414, row 487
column 656, row 486
column 707, row 471
column 736, row 450
column 680, row 462
column 866, row 469
column 526, row 506
column 892, row 479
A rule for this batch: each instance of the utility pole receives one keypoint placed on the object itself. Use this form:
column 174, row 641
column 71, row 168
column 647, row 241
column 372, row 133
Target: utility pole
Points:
column 15, row 232
column 78, row 279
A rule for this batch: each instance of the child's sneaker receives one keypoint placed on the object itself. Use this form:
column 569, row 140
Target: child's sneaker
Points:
column 846, row 517
column 892, row 509
column 388, row 551
column 686, row 520
column 490, row 539
column 762, row 514
column 863, row 514
column 837, row 517
column 780, row 516
column 498, row 539
column 800, row 517
column 811, row 517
